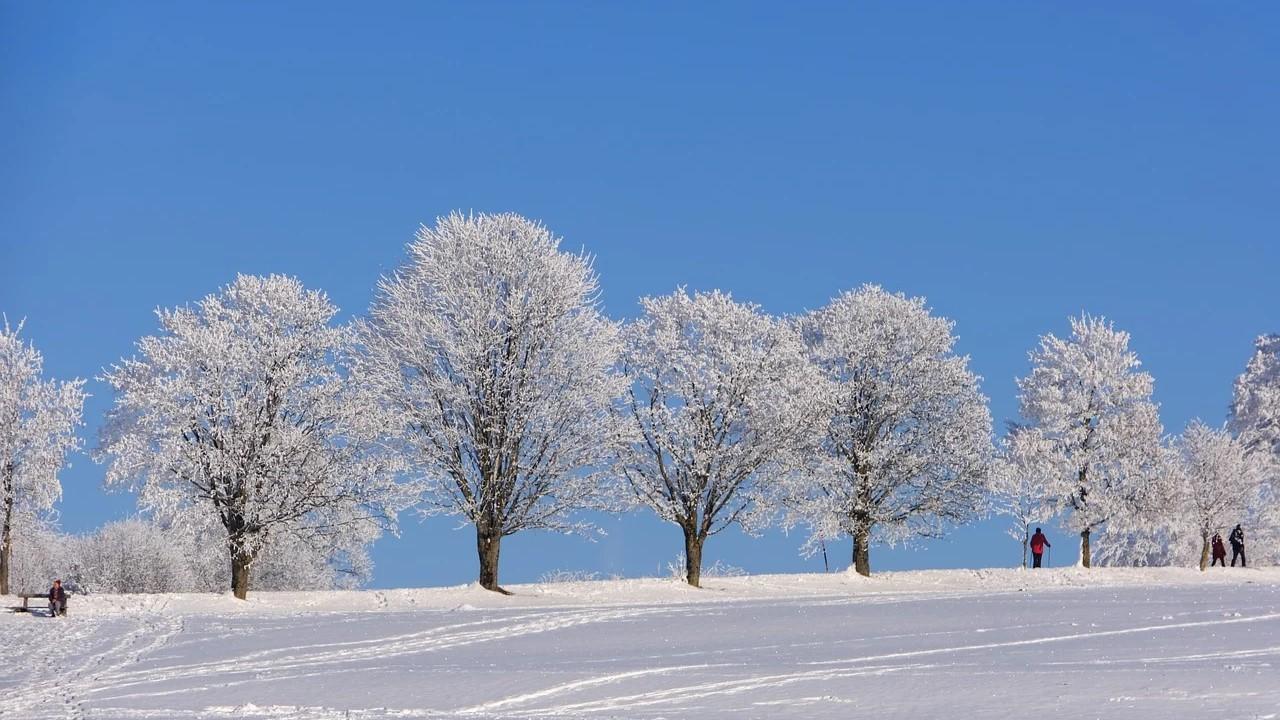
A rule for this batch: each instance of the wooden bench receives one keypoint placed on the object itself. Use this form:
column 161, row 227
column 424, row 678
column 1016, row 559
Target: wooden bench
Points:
column 27, row 607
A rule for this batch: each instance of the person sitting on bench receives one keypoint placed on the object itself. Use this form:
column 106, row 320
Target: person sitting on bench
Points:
column 57, row 599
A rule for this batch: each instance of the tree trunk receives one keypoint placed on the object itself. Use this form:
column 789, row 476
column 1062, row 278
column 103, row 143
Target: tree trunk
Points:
column 693, row 556
column 1204, row 552
column 862, row 548
column 6, row 546
column 488, row 546
column 1084, row 548
column 1025, row 541
column 241, row 563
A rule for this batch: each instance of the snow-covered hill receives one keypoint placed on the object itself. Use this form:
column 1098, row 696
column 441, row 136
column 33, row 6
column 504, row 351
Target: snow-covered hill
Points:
column 1065, row 643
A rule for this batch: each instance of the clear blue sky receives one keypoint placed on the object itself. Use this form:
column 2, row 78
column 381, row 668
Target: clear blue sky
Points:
column 1013, row 162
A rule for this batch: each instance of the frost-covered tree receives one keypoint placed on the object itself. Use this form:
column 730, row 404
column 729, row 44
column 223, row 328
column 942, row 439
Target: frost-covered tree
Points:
column 1153, row 530
column 239, row 410
column 1219, row 483
column 1255, row 417
column 1020, row 483
column 43, row 555
column 290, row 561
column 1086, row 396
column 1255, row 408
column 904, row 444
column 494, row 364
column 38, row 420
column 132, row 556
column 720, row 395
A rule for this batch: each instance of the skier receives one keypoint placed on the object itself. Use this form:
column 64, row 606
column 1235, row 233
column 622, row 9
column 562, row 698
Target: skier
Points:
column 1038, row 543
column 1219, row 551
column 57, row 600
column 1237, row 546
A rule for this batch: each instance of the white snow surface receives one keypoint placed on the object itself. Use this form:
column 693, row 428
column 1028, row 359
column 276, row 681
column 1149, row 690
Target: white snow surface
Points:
column 1059, row 643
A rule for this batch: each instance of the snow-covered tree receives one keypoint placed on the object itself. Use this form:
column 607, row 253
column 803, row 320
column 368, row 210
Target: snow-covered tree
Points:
column 904, row 443
column 239, row 410
column 290, row 561
column 132, row 556
column 494, row 365
column 1220, row 483
column 1255, row 409
column 44, row 554
column 720, row 395
column 38, row 420
column 1153, row 530
column 1086, row 396
column 1020, row 483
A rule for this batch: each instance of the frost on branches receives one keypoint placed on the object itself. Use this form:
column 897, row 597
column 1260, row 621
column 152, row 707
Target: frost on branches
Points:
column 1219, row 484
column 238, row 411
column 1020, row 482
column 720, row 394
column 131, row 556
column 38, row 420
column 1255, row 409
column 42, row 554
column 489, row 354
column 904, row 446
column 1086, row 396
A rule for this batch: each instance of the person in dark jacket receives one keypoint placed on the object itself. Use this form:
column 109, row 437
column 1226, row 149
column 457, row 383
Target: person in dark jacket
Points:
column 1237, row 546
column 1219, row 551
column 1038, row 543
column 57, row 599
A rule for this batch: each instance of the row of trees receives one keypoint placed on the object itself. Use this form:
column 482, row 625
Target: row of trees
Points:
column 486, row 383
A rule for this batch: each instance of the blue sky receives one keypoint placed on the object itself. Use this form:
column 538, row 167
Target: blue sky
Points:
column 1015, row 163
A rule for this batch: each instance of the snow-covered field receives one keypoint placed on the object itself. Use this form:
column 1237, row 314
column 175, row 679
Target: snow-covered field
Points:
column 961, row 644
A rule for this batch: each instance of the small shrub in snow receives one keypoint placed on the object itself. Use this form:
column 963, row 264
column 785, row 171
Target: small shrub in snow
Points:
column 720, row 569
column 568, row 576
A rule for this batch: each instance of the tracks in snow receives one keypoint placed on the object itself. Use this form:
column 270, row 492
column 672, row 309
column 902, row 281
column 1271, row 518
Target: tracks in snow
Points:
column 327, row 657
column 718, row 660
column 80, row 655
column 874, row 664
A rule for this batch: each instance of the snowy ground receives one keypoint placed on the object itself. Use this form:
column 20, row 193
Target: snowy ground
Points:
column 962, row 644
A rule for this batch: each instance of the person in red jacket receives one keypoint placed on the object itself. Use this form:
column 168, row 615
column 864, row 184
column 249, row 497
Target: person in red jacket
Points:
column 1038, row 543
column 1219, row 551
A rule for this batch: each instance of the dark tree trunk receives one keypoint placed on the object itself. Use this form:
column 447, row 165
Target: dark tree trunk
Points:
column 238, row 547
column 1026, row 539
column 488, row 546
column 1085, row 556
column 241, row 564
column 6, row 545
column 862, row 547
column 1204, row 552
column 6, row 532
column 693, row 541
